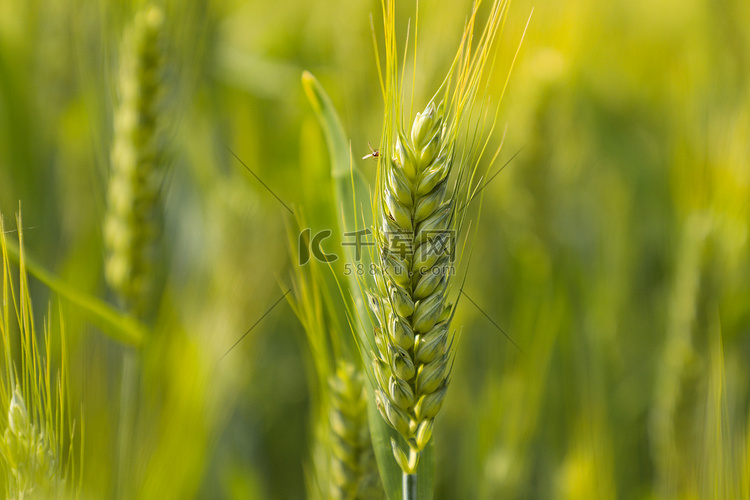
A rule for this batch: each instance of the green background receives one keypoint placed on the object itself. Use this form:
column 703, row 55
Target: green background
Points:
column 612, row 249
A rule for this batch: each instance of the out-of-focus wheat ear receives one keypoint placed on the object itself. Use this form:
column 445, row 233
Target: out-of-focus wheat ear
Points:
column 33, row 466
column 36, row 445
column 137, row 162
column 354, row 472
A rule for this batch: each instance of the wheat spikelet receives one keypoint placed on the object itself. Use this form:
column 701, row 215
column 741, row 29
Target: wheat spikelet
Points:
column 137, row 161
column 354, row 473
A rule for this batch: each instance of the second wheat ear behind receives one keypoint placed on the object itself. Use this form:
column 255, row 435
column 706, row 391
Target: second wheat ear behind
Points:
column 137, row 163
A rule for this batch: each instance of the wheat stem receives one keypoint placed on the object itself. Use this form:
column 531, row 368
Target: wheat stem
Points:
column 409, row 486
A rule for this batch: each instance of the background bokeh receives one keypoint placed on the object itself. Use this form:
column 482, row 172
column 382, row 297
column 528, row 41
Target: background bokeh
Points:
column 613, row 249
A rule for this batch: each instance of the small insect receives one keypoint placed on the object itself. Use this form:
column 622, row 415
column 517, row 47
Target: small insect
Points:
column 383, row 253
column 374, row 153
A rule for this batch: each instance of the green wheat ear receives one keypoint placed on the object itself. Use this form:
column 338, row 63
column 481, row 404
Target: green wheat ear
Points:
column 30, row 460
column 425, row 173
column 412, row 361
column 354, row 472
column 38, row 424
column 137, row 160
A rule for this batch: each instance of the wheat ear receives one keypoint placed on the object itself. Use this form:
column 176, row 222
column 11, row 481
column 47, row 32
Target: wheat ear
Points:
column 354, row 472
column 137, row 173
column 32, row 463
column 417, row 219
column 137, row 160
column 414, row 233
column 36, row 447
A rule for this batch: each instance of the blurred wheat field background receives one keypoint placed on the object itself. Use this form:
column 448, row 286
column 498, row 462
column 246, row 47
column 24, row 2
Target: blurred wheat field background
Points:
column 612, row 250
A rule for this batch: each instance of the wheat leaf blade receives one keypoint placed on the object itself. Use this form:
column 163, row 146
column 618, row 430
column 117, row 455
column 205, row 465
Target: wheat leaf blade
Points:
column 118, row 326
column 350, row 189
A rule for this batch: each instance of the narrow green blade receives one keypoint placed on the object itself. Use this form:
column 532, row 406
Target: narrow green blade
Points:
column 351, row 193
column 118, row 326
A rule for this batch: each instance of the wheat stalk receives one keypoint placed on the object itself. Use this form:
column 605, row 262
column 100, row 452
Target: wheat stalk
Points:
column 137, row 160
column 425, row 177
column 137, row 174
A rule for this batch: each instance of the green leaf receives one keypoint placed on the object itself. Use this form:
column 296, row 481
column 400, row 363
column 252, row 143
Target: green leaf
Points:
column 351, row 193
column 426, row 473
column 118, row 326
